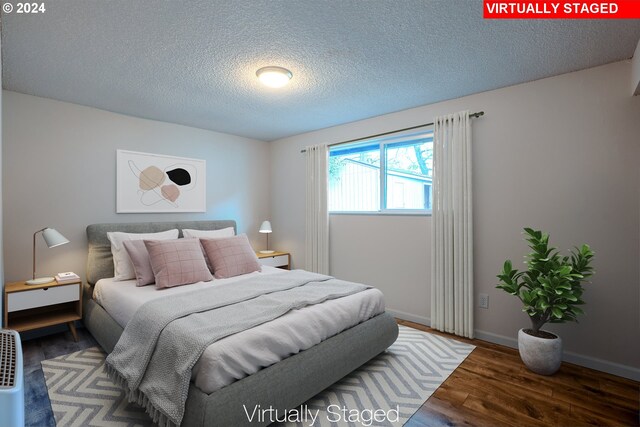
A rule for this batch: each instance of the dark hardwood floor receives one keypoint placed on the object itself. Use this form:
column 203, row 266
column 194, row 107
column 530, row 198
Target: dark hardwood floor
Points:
column 492, row 387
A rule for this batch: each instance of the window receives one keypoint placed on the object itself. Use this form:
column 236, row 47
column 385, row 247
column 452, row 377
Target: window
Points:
column 388, row 175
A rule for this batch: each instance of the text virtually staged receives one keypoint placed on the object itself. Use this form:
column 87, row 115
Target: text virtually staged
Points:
column 333, row 414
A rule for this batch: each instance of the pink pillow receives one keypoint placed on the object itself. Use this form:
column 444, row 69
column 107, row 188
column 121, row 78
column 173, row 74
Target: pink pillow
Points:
column 231, row 256
column 177, row 262
column 208, row 234
column 140, row 259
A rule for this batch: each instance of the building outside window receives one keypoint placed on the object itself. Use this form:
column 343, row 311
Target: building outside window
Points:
column 385, row 175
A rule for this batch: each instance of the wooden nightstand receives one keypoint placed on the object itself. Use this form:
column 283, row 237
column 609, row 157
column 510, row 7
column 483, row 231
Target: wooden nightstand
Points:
column 276, row 259
column 30, row 307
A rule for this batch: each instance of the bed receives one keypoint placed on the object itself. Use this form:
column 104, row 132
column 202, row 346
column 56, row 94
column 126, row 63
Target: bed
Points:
column 285, row 384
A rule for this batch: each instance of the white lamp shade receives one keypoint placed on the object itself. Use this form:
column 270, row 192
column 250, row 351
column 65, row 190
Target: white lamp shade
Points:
column 53, row 238
column 266, row 227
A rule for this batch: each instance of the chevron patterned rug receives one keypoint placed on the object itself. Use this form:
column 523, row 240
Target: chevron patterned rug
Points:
column 395, row 384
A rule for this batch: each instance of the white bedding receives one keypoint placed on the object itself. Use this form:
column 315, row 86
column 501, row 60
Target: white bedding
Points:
column 244, row 353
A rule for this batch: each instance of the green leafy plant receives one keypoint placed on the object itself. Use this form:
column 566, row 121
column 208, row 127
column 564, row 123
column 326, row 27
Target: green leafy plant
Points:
column 551, row 287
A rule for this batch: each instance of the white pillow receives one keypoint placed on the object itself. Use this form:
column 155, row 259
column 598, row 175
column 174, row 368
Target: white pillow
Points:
column 208, row 234
column 122, row 267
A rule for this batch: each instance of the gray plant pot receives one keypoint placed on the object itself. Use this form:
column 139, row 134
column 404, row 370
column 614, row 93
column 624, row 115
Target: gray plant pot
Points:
column 541, row 355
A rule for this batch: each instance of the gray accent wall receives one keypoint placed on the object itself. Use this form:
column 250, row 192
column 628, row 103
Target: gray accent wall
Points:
column 59, row 170
column 560, row 154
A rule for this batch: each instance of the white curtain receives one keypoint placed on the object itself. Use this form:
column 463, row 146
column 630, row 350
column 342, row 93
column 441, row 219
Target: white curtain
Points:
column 452, row 226
column 317, row 216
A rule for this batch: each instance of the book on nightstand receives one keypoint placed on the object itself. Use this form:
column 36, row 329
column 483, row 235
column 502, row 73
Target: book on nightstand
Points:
column 68, row 277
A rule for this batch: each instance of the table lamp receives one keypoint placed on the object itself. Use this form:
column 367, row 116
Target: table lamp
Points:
column 266, row 228
column 52, row 238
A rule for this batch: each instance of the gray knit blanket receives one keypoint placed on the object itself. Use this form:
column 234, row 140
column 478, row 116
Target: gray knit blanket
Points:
column 165, row 338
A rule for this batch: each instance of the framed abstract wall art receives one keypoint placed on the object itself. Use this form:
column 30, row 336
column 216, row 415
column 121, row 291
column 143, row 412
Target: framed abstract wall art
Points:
column 157, row 183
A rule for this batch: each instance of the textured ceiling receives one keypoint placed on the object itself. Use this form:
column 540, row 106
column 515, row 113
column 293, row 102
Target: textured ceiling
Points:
column 193, row 62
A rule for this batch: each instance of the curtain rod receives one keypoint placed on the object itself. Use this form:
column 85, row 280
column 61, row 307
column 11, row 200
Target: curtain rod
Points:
column 474, row 115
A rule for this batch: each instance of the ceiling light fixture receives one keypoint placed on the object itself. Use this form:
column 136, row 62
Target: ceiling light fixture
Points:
column 274, row 76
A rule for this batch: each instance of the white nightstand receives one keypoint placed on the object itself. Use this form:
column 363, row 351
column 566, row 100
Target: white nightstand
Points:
column 276, row 259
column 30, row 307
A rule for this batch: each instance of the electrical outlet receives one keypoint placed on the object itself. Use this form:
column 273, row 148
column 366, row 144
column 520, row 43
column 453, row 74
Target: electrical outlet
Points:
column 483, row 300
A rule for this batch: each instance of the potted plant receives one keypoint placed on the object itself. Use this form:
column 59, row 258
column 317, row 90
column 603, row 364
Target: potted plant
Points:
column 551, row 291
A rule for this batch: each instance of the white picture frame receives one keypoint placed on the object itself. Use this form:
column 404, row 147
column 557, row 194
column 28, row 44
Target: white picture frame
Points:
column 156, row 183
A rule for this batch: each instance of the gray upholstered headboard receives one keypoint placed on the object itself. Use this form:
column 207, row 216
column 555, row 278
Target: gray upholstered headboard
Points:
column 100, row 261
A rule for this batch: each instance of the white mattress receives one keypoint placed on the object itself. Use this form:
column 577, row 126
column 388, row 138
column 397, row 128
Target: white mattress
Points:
column 245, row 353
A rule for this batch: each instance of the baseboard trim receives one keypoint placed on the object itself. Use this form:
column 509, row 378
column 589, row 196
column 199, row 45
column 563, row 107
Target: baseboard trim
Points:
column 410, row 317
column 496, row 339
column 568, row 356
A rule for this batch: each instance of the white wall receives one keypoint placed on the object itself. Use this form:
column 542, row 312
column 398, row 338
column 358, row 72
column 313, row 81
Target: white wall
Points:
column 59, row 171
column 1, row 254
column 560, row 154
column 389, row 252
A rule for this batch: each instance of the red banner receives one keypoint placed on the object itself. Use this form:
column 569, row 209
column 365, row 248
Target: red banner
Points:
column 561, row 9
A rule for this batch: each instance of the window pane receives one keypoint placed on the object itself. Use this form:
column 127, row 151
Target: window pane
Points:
column 405, row 162
column 354, row 178
column 409, row 171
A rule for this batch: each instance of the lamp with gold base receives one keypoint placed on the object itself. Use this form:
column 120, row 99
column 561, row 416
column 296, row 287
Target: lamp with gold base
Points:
column 52, row 238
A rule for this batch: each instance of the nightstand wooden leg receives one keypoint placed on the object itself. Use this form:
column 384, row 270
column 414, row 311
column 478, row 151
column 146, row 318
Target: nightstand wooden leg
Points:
column 72, row 328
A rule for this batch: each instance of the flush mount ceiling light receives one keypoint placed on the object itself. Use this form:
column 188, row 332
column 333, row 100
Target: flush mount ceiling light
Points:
column 274, row 76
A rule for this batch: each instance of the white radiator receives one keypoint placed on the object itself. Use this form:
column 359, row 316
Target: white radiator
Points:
column 11, row 380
